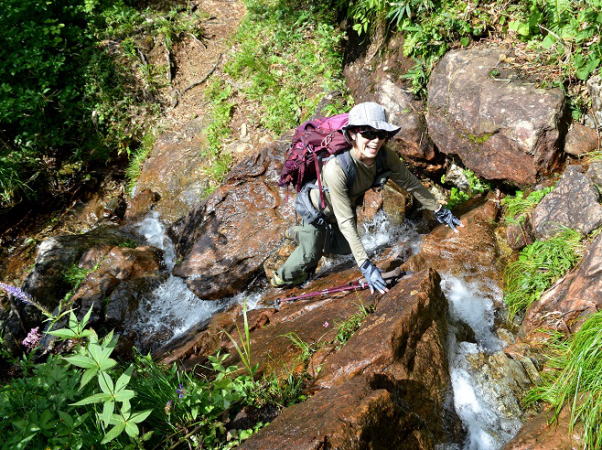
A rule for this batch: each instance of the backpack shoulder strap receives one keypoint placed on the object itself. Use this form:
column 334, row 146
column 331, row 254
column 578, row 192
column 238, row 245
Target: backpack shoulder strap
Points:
column 346, row 163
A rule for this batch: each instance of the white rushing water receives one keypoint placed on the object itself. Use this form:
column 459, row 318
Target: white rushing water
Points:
column 477, row 400
column 172, row 309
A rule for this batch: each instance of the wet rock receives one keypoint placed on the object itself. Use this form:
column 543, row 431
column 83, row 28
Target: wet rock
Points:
column 141, row 204
column 46, row 283
column 566, row 305
column 580, row 140
column 376, row 76
column 573, row 204
column 354, row 415
column 471, row 253
column 174, row 170
column 520, row 234
column 225, row 242
column 542, row 433
column 501, row 128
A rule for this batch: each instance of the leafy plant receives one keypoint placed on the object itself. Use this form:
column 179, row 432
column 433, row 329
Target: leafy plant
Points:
column 519, row 204
column 574, row 379
column 538, row 266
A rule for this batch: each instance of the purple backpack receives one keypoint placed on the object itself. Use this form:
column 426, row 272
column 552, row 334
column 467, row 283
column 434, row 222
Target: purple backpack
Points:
column 313, row 141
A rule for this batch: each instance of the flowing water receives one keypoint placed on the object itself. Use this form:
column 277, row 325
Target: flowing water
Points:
column 172, row 309
column 487, row 410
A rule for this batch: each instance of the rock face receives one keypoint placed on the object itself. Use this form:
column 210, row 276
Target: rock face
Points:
column 174, row 170
column 565, row 306
column 472, row 253
column 374, row 77
column 502, row 129
column 226, row 240
column 542, row 433
column 573, row 204
column 385, row 388
column 46, row 283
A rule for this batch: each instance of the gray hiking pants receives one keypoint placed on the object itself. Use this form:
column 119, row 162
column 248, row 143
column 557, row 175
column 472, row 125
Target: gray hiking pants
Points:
column 313, row 242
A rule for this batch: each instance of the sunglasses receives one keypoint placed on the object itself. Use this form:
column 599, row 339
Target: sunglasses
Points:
column 373, row 134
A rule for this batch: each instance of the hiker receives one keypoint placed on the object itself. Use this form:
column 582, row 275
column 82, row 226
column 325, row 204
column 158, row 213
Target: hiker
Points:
column 329, row 219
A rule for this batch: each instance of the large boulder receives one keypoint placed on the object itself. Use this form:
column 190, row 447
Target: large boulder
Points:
column 500, row 127
column 376, row 76
column 566, row 305
column 544, row 432
column 391, row 378
column 46, row 283
column 225, row 241
column 573, row 204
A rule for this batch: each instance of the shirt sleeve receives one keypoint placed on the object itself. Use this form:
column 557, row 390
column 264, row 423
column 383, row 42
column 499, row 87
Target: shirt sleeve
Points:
column 405, row 179
column 343, row 209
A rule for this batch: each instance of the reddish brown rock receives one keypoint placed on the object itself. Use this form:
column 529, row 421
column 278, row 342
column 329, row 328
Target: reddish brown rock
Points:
column 566, row 305
column 385, row 388
column 580, row 140
column 472, row 253
column 519, row 235
column 174, row 170
column 141, row 204
column 501, row 128
column 543, row 433
column 355, row 415
column 226, row 241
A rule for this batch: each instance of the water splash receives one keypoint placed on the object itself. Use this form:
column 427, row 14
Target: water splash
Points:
column 477, row 400
column 172, row 308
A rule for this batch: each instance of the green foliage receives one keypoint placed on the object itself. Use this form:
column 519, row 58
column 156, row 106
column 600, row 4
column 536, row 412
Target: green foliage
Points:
column 87, row 398
column 518, row 204
column 538, row 266
column 287, row 57
column 574, row 379
column 347, row 328
column 73, row 93
column 137, row 158
column 476, row 186
column 243, row 345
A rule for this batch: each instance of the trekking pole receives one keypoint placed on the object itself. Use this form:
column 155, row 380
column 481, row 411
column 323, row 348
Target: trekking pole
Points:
column 389, row 277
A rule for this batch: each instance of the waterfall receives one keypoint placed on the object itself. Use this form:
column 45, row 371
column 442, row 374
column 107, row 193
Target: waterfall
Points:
column 488, row 410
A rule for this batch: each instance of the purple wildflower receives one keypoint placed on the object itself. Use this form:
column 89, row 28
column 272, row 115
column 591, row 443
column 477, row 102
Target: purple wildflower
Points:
column 326, row 324
column 32, row 339
column 17, row 293
column 180, row 391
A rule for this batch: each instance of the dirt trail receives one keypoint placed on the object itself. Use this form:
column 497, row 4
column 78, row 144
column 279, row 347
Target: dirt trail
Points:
column 196, row 60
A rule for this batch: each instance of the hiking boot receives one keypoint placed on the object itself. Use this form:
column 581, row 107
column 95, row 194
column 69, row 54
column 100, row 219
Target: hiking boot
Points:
column 278, row 282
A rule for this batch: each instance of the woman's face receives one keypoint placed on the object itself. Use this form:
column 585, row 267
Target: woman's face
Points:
column 367, row 142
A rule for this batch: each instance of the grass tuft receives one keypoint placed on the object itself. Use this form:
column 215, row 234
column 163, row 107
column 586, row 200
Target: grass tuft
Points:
column 575, row 380
column 538, row 266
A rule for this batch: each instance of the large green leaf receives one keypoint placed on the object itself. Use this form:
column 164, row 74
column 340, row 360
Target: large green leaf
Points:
column 107, row 412
column 113, row 433
column 124, row 379
column 81, row 361
column 140, row 416
column 95, row 398
column 106, row 383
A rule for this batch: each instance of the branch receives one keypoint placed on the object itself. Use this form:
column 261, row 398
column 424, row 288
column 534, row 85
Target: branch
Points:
column 193, row 85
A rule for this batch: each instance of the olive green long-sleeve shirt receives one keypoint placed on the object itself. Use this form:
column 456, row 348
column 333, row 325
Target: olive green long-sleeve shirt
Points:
column 340, row 202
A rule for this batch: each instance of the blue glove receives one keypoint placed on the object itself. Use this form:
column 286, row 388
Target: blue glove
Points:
column 373, row 277
column 445, row 216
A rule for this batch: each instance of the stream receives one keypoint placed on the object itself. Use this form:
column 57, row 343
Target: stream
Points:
column 172, row 309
